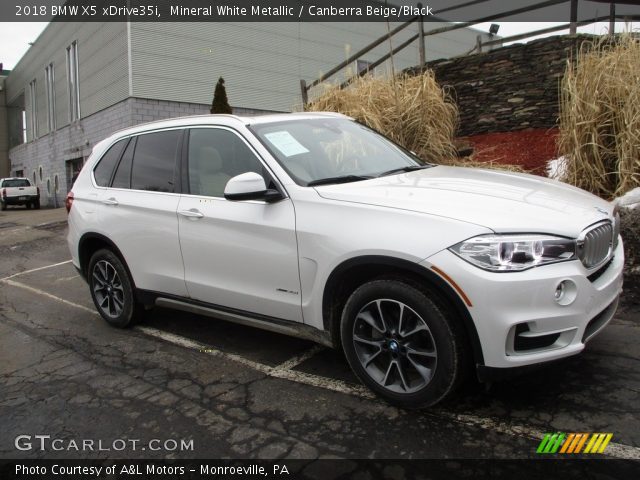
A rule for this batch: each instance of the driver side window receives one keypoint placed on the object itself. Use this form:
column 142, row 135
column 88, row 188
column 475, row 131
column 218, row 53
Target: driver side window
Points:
column 215, row 156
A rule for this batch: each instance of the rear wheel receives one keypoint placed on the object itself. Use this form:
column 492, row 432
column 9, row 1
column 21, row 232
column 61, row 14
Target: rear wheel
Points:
column 401, row 344
column 112, row 289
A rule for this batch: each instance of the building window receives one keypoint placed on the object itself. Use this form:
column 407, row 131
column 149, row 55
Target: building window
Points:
column 49, row 76
column 24, row 126
column 33, row 111
column 74, row 87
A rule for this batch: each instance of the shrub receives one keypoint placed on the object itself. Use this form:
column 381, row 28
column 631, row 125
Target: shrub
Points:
column 220, row 103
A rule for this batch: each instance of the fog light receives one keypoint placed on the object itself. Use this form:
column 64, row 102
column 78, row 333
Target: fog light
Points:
column 566, row 292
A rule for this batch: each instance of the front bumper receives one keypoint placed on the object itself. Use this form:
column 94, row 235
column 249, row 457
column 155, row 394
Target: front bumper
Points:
column 517, row 318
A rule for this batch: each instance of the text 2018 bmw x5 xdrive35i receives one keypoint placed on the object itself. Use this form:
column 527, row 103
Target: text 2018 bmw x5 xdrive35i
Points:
column 314, row 225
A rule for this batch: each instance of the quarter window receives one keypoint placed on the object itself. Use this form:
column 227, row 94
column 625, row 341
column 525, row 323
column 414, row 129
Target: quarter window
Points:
column 105, row 167
column 154, row 161
column 122, row 178
column 216, row 155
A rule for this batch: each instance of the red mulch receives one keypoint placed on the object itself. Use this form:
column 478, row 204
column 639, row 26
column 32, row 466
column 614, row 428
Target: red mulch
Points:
column 529, row 148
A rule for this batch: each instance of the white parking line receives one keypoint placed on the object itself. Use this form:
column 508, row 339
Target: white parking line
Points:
column 13, row 283
column 298, row 359
column 67, row 279
column 279, row 371
column 34, row 270
column 616, row 450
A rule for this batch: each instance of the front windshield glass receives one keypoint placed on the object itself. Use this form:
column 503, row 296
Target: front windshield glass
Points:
column 323, row 149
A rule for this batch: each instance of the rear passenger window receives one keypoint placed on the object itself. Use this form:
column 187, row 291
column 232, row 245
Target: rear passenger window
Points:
column 154, row 161
column 104, row 169
column 122, row 178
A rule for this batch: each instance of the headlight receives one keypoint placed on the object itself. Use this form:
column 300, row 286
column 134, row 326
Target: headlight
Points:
column 513, row 253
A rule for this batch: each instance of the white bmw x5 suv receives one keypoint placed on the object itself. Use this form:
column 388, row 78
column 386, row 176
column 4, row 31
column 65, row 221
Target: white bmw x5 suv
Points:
column 315, row 226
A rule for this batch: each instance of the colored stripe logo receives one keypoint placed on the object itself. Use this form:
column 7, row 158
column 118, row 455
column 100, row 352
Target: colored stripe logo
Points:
column 574, row 442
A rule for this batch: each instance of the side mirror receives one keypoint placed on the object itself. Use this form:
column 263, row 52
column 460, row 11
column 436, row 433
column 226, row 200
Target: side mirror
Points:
column 250, row 186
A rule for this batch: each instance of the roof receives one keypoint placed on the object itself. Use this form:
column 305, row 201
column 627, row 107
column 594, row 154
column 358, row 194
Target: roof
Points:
column 223, row 119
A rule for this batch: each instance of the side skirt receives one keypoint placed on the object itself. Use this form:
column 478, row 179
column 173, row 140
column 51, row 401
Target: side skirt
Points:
column 272, row 324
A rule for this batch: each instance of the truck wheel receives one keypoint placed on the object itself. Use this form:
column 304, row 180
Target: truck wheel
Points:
column 36, row 205
column 28, row 205
column 3, row 206
column 112, row 289
column 401, row 344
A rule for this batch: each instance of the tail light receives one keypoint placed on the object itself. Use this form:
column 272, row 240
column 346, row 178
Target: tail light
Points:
column 68, row 202
column 4, row 193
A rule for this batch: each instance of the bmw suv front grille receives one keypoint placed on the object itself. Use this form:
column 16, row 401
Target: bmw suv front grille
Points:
column 595, row 245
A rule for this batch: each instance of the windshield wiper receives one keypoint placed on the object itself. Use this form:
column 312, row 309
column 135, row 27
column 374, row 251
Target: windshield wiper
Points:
column 341, row 179
column 408, row 168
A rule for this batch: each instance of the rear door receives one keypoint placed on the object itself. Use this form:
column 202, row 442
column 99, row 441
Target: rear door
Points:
column 138, row 209
column 237, row 254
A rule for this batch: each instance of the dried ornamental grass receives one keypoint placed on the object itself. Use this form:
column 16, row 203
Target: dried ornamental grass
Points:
column 600, row 117
column 414, row 111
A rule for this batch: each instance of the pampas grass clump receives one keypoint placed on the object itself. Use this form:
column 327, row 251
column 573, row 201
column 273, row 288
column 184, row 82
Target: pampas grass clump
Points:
column 414, row 111
column 600, row 117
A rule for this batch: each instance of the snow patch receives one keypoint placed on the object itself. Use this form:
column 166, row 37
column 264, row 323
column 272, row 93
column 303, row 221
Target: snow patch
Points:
column 557, row 168
column 631, row 199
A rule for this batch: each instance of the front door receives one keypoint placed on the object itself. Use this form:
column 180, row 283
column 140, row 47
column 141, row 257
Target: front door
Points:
column 237, row 254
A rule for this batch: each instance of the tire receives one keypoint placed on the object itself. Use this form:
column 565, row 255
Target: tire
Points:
column 111, row 289
column 3, row 206
column 36, row 205
column 414, row 363
column 28, row 205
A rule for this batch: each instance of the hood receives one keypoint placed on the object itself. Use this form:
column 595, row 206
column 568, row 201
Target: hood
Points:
column 501, row 201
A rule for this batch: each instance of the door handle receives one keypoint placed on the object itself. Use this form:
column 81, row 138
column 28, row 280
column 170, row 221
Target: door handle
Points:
column 110, row 201
column 192, row 213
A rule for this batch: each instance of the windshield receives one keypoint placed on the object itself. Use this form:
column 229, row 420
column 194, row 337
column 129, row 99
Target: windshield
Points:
column 16, row 182
column 332, row 150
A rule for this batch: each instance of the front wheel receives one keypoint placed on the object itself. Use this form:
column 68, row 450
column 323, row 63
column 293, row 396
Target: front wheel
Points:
column 112, row 289
column 401, row 344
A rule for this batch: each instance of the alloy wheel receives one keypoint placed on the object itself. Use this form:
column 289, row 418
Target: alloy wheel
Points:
column 394, row 345
column 107, row 288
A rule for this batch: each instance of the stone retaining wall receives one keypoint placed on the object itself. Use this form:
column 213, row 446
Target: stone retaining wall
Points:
column 509, row 88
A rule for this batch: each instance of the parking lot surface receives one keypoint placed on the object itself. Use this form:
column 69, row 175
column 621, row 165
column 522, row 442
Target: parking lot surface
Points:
column 222, row 390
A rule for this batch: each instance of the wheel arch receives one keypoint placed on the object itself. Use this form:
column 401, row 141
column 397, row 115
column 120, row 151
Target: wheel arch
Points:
column 351, row 273
column 92, row 242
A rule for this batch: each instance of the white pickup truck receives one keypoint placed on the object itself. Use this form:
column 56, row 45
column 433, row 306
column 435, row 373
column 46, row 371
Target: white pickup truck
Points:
column 18, row 191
